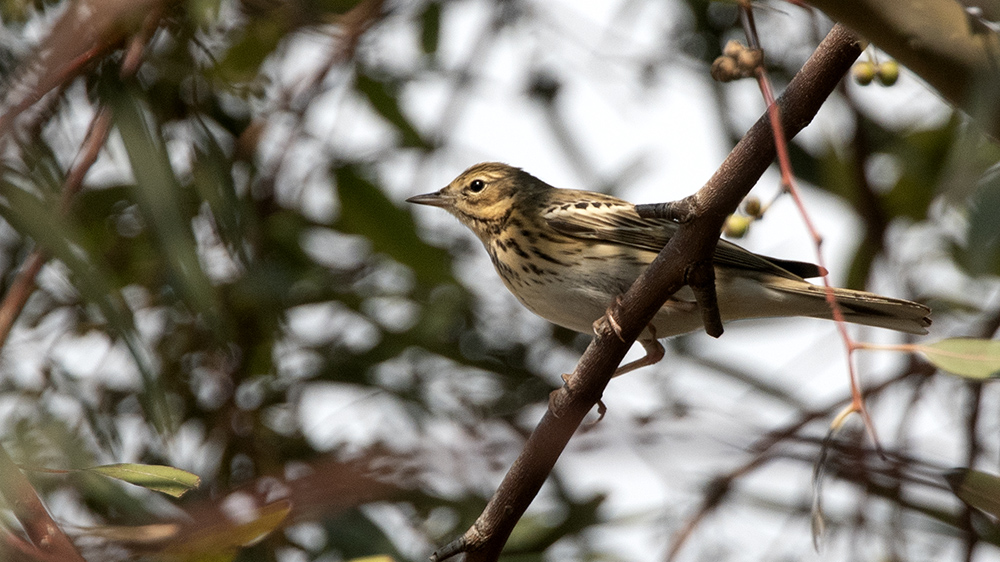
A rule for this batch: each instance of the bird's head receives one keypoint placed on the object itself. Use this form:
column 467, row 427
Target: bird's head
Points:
column 484, row 196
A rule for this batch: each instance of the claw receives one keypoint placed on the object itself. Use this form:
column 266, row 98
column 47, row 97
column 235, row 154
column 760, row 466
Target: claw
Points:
column 609, row 315
column 601, row 410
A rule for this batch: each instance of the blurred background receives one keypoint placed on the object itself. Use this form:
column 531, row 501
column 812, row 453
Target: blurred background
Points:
column 237, row 288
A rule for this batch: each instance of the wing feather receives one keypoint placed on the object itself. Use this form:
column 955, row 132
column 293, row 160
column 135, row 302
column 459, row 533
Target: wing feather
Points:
column 608, row 219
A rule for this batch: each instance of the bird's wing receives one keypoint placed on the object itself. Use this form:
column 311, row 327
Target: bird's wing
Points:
column 615, row 221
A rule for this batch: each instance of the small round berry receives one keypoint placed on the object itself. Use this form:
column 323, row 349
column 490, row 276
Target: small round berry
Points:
column 737, row 226
column 863, row 72
column 887, row 73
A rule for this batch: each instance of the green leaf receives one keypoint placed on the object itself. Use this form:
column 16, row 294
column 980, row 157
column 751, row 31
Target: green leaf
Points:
column 966, row 357
column 386, row 104
column 166, row 479
column 980, row 253
column 978, row 489
column 260, row 38
column 158, row 194
column 214, row 182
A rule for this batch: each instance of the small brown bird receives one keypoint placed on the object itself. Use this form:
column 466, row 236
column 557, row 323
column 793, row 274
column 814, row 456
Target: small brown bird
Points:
column 567, row 254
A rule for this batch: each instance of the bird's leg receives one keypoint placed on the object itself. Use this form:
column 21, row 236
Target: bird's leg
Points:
column 654, row 353
column 701, row 278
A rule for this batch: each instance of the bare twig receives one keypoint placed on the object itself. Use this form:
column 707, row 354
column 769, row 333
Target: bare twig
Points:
column 762, row 454
column 789, row 184
column 694, row 241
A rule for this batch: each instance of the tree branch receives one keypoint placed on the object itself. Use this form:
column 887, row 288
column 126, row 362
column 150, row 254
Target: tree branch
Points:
column 694, row 242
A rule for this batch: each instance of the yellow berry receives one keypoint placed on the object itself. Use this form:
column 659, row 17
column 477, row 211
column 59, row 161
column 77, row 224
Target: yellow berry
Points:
column 887, row 73
column 863, row 72
column 737, row 226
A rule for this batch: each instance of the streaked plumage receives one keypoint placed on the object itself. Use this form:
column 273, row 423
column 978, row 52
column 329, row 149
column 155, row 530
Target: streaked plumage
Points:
column 566, row 254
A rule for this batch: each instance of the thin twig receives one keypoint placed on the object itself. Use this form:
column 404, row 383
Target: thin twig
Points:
column 789, row 184
column 761, row 450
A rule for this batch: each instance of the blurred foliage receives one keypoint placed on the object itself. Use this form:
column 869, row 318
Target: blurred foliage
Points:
column 225, row 264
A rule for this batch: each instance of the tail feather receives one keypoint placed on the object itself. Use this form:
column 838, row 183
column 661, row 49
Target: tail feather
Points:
column 869, row 309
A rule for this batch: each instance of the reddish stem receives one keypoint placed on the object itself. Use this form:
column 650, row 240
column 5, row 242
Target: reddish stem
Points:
column 789, row 184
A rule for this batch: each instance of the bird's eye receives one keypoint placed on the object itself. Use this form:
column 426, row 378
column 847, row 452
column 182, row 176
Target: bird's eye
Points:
column 477, row 185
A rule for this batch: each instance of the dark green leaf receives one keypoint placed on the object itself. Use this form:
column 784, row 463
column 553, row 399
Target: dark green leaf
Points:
column 40, row 221
column 980, row 254
column 158, row 193
column 213, row 179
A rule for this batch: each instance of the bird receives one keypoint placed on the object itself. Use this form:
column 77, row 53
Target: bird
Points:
column 567, row 254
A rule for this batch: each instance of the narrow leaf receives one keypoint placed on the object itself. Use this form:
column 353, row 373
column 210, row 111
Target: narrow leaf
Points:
column 978, row 489
column 966, row 357
column 213, row 179
column 365, row 210
column 166, row 479
column 159, row 195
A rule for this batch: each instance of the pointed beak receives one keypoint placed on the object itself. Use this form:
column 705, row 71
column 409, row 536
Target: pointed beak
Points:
column 436, row 199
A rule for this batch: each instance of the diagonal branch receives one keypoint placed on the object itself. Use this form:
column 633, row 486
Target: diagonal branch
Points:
column 693, row 243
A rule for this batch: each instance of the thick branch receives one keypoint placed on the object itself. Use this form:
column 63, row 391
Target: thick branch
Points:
column 694, row 242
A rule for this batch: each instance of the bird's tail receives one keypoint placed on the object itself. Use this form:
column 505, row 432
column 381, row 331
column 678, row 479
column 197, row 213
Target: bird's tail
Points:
column 869, row 309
